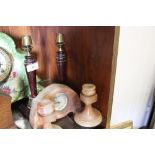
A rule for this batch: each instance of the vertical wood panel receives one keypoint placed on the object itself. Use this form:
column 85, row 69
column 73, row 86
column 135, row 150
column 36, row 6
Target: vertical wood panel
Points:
column 89, row 51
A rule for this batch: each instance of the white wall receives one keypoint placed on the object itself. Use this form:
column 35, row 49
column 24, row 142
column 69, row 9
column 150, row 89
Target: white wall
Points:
column 135, row 75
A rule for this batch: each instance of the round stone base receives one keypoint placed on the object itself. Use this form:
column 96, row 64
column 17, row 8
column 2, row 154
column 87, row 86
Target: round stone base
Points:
column 86, row 120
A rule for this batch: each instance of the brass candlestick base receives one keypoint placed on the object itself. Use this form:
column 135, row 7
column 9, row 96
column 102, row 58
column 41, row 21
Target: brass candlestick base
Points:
column 30, row 102
column 89, row 117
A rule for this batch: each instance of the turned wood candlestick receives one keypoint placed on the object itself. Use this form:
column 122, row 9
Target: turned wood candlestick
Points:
column 46, row 109
column 61, row 58
column 29, row 59
column 90, row 116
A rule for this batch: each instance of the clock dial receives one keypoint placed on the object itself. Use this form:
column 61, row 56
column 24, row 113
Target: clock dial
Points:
column 61, row 101
column 5, row 64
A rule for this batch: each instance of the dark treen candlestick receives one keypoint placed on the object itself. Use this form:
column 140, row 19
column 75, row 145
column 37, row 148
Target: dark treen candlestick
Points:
column 61, row 58
column 29, row 59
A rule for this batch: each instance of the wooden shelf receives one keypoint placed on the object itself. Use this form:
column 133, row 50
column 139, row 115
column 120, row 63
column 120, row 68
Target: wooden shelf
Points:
column 91, row 57
column 66, row 122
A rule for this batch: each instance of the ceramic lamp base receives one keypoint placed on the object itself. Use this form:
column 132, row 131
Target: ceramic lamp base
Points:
column 90, row 117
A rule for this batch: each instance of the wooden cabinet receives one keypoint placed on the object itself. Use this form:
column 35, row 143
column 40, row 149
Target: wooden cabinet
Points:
column 91, row 53
column 6, row 118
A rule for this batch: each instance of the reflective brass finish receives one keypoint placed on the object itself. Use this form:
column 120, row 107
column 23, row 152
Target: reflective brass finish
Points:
column 60, row 38
column 27, row 44
column 26, row 40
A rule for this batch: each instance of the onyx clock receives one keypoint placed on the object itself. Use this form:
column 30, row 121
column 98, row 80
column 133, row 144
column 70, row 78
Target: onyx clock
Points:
column 62, row 100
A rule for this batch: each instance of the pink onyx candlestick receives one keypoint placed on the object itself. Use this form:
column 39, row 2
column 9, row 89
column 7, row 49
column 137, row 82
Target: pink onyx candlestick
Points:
column 46, row 111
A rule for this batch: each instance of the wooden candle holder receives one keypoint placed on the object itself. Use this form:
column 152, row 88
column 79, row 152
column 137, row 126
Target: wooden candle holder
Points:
column 89, row 117
column 31, row 76
column 61, row 58
column 29, row 60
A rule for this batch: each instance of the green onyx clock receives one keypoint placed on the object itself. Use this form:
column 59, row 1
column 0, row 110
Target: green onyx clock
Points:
column 5, row 64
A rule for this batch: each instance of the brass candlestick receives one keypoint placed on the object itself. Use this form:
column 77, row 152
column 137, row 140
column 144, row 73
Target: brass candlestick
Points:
column 29, row 60
column 90, row 116
column 61, row 58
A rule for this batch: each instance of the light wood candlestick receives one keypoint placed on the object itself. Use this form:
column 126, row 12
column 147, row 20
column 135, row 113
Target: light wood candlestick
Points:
column 90, row 116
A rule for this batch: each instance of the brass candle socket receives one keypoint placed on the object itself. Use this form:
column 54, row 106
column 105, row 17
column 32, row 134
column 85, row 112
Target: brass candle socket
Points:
column 27, row 44
column 60, row 41
column 60, row 38
column 26, row 40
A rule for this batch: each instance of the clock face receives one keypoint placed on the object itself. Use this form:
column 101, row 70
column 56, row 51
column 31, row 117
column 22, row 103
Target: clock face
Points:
column 5, row 64
column 61, row 101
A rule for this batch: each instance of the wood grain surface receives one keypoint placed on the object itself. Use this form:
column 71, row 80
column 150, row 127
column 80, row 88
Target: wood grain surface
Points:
column 89, row 55
column 6, row 118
